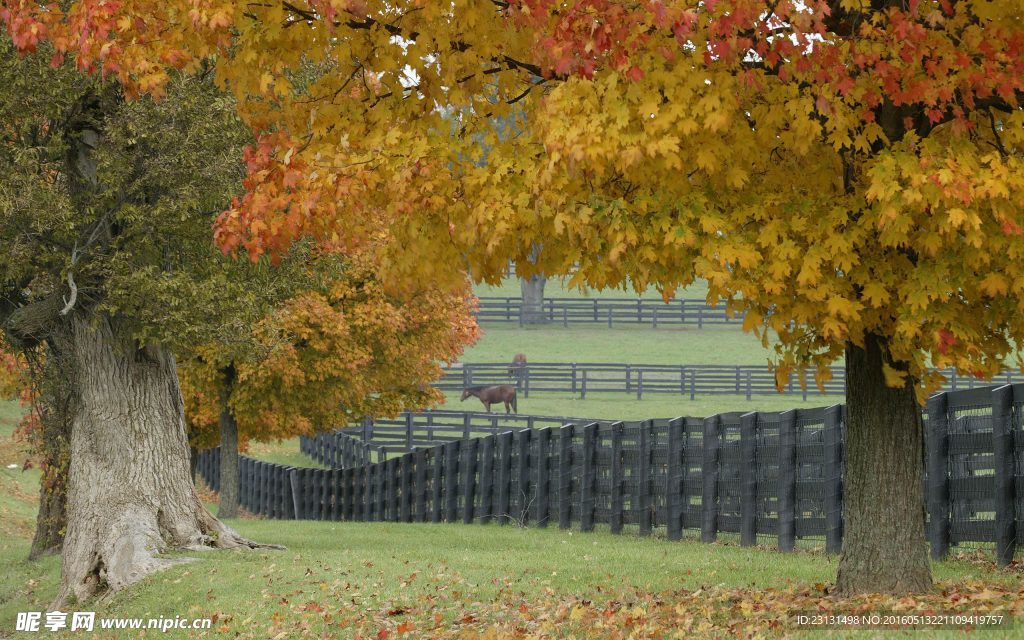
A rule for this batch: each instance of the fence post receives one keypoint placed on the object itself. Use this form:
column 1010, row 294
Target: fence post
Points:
column 405, row 504
column 352, row 513
column 833, row 479
column 543, row 476
column 565, row 435
column 787, row 481
column 643, row 476
column 937, row 489
column 629, row 378
column 504, row 475
column 382, row 487
column 522, row 444
column 343, row 496
column 451, row 481
column 565, row 317
column 709, row 473
column 639, row 384
column 467, row 422
column 588, row 478
column 1005, row 483
column 293, row 477
column 693, row 384
column 673, row 481
column 469, row 451
column 583, row 388
column 486, row 478
column 526, row 380
column 748, row 385
column 409, row 426
column 615, row 518
column 420, row 510
column 437, row 486
column 748, row 478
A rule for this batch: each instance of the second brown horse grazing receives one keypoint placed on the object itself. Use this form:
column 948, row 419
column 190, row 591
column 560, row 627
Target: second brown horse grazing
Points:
column 489, row 395
column 518, row 362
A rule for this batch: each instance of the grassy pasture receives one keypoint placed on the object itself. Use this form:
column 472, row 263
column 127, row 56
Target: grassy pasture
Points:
column 367, row 580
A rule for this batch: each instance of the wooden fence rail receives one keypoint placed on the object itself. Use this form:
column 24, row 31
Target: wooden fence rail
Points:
column 765, row 476
column 609, row 311
column 691, row 381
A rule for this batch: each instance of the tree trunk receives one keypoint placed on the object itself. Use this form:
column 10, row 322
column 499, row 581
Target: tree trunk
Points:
column 53, row 406
column 533, row 300
column 227, row 507
column 54, row 411
column 129, row 493
column 884, row 545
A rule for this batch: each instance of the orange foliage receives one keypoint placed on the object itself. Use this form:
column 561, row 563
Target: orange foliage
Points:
column 324, row 359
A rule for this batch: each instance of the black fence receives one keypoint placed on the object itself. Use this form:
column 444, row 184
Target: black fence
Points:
column 685, row 380
column 764, row 476
column 609, row 311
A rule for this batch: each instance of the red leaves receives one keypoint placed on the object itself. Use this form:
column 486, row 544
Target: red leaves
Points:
column 946, row 340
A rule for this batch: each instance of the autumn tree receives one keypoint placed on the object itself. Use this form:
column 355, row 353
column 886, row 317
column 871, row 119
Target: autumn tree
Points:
column 106, row 269
column 340, row 348
column 845, row 172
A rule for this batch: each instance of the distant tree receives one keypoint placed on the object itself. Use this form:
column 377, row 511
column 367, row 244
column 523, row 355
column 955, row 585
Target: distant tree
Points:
column 341, row 349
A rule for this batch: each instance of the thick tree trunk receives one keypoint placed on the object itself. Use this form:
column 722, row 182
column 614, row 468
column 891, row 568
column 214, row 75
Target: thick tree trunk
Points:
column 129, row 493
column 227, row 507
column 884, row 548
column 533, row 300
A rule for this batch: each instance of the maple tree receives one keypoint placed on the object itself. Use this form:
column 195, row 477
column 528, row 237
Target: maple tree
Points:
column 847, row 173
column 341, row 348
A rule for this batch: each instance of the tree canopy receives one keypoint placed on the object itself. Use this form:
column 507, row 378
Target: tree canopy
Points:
column 338, row 348
column 834, row 168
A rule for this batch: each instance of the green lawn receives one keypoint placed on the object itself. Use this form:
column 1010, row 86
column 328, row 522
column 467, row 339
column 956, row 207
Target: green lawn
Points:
column 284, row 452
column 412, row 580
column 376, row 576
column 622, row 406
column 633, row 345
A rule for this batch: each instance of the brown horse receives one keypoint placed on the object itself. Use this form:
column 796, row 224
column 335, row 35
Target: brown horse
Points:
column 516, row 368
column 489, row 395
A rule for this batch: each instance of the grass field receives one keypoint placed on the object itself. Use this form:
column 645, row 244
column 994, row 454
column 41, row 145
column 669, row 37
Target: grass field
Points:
column 368, row 580
column 412, row 581
column 621, row 406
column 640, row 345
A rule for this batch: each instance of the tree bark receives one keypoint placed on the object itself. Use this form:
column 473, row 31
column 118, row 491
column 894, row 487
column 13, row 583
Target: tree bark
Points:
column 884, row 544
column 129, row 493
column 227, row 506
column 533, row 300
